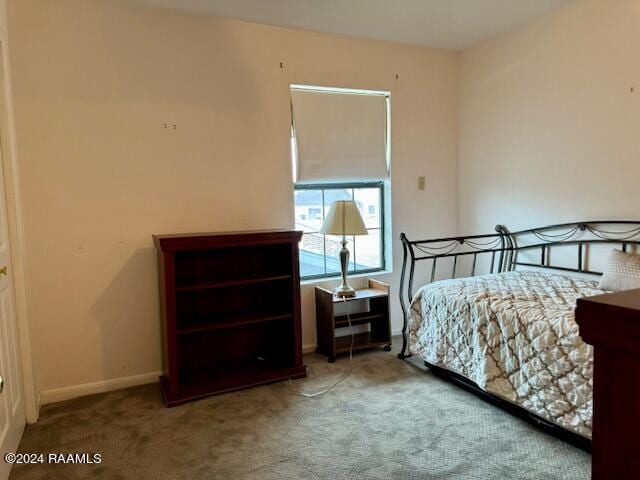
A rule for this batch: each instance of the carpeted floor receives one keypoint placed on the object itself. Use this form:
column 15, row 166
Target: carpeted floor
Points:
column 389, row 420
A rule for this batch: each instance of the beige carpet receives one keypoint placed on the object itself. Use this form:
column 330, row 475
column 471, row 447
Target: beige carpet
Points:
column 389, row 420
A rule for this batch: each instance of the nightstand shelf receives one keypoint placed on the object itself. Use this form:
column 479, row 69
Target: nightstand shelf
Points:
column 371, row 309
column 357, row 319
column 361, row 341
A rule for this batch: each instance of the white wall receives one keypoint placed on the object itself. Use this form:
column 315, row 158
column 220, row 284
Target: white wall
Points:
column 549, row 124
column 94, row 84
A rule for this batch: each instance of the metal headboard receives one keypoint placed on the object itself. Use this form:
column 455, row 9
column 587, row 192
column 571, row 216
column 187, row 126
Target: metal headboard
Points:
column 504, row 251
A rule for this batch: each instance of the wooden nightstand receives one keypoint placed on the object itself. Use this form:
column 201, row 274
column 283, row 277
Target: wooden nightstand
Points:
column 369, row 307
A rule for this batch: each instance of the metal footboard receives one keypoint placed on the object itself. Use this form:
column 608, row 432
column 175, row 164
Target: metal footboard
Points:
column 498, row 248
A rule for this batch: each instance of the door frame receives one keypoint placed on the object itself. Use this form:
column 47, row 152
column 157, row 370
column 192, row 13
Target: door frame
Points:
column 15, row 226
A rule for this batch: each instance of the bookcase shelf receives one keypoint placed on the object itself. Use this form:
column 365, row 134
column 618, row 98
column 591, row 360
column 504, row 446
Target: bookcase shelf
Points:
column 238, row 282
column 231, row 322
column 230, row 306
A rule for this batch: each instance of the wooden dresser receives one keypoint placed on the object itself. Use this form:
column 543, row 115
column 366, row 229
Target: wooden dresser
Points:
column 611, row 323
column 230, row 306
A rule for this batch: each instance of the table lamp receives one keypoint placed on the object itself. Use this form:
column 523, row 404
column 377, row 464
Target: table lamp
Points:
column 344, row 219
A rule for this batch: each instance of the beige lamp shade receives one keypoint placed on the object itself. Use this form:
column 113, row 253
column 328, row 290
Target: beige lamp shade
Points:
column 344, row 219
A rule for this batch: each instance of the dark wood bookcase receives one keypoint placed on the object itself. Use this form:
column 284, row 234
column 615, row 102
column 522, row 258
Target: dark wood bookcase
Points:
column 230, row 306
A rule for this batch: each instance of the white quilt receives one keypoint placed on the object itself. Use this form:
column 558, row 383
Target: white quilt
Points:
column 515, row 336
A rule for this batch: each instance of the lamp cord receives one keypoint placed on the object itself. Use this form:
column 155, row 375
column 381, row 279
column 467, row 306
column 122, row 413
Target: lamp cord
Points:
column 344, row 377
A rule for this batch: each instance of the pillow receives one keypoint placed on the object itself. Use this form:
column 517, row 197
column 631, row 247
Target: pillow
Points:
column 622, row 272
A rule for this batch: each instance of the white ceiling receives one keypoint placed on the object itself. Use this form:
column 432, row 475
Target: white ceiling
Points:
column 455, row 24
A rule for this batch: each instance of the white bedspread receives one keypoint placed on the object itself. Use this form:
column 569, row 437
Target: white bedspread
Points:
column 514, row 335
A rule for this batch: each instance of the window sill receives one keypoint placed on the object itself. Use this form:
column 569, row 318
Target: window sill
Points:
column 315, row 281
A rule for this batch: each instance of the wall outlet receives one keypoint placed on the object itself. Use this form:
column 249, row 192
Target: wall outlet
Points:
column 421, row 183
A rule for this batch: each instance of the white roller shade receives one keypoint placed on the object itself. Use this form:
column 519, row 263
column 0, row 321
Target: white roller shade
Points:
column 339, row 136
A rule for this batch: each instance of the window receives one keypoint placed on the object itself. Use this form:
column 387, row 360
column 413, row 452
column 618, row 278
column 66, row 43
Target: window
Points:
column 315, row 213
column 340, row 151
column 318, row 252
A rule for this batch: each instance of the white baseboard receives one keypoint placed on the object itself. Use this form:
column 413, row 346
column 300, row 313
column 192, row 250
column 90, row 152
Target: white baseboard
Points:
column 66, row 393
column 38, row 406
column 74, row 391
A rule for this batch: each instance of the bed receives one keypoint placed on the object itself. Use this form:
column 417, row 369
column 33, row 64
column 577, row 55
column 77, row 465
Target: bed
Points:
column 509, row 334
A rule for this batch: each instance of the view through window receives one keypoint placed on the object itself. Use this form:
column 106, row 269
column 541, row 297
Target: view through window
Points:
column 318, row 252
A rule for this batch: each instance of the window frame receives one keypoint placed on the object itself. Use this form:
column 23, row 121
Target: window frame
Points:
column 348, row 185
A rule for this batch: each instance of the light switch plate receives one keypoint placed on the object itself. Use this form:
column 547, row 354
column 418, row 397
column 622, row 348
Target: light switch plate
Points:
column 421, row 183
